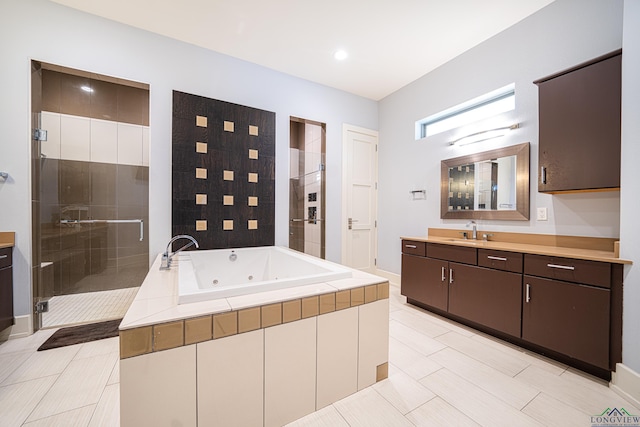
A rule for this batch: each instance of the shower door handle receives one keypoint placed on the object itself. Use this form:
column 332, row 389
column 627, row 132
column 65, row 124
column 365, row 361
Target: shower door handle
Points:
column 98, row 221
column 311, row 220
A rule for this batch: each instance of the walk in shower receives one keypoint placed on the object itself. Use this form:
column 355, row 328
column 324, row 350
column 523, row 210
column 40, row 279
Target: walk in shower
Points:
column 90, row 194
column 307, row 187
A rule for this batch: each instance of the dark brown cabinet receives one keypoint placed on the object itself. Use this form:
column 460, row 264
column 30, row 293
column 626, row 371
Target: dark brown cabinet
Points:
column 579, row 127
column 485, row 296
column 570, row 309
column 425, row 280
column 6, row 289
column 569, row 318
column 567, row 307
column 448, row 279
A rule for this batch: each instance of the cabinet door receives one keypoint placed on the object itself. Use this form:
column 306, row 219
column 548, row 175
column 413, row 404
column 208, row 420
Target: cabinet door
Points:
column 425, row 280
column 6, row 298
column 568, row 318
column 579, row 113
column 489, row 297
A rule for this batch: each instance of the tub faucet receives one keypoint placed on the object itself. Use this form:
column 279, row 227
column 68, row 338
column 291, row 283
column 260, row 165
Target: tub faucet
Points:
column 166, row 258
column 475, row 229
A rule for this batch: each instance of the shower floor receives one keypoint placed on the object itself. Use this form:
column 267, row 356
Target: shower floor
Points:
column 88, row 307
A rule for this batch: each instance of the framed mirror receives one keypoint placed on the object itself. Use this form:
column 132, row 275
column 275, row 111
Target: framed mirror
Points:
column 489, row 185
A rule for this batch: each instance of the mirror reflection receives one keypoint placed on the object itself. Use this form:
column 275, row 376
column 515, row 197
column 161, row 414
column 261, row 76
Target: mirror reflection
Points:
column 484, row 185
column 489, row 185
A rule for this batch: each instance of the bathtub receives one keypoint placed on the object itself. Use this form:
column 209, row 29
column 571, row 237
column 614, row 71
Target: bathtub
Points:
column 221, row 273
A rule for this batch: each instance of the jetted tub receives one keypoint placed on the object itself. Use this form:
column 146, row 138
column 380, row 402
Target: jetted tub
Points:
column 221, row 273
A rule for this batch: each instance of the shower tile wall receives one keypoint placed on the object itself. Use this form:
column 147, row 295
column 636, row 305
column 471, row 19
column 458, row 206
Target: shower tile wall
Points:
column 223, row 172
column 313, row 190
column 94, row 165
column 306, row 188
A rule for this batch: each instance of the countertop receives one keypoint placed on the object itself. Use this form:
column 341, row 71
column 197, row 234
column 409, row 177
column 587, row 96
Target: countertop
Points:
column 7, row 239
column 530, row 248
column 157, row 300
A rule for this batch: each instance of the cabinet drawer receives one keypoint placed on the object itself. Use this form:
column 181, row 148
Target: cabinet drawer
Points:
column 500, row 260
column 569, row 270
column 453, row 253
column 413, row 247
column 5, row 257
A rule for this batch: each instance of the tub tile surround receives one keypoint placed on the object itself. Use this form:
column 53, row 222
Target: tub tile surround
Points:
column 334, row 335
column 156, row 305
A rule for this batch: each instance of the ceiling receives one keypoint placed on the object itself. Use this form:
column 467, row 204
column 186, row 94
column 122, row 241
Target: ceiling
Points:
column 390, row 43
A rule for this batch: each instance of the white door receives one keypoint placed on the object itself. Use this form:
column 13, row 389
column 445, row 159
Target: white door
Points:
column 360, row 172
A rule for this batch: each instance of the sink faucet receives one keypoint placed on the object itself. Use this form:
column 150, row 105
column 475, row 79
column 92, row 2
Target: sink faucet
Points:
column 166, row 258
column 475, row 229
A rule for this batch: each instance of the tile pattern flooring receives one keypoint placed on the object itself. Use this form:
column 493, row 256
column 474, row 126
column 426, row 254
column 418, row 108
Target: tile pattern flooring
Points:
column 440, row 374
column 88, row 307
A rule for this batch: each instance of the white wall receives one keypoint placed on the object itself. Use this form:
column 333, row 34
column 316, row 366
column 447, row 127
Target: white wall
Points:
column 563, row 34
column 45, row 31
column 630, row 186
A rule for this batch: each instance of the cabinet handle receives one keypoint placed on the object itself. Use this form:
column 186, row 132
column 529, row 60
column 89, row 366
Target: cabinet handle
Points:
column 543, row 174
column 496, row 258
column 444, row 274
column 528, row 293
column 450, row 275
column 561, row 267
column 411, row 246
column 3, row 256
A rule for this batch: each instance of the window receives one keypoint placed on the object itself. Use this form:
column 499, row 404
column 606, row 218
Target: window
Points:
column 485, row 106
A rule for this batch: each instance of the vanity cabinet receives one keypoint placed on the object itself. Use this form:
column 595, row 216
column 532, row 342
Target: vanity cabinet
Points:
column 579, row 127
column 569, row 318
column 447, row 278
column 568, row 307
column 6, row 289
column 486, row 296
column 425, row 280
column 427, row 269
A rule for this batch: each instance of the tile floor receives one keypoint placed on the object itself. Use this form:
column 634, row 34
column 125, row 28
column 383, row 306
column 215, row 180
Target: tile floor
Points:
column 88, row 307
column 441, row 374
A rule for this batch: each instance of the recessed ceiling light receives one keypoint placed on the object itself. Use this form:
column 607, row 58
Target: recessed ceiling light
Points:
column 340, row 55
column 86, row 89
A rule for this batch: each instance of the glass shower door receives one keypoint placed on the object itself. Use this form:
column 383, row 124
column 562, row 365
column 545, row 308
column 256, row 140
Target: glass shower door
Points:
column 91, row 208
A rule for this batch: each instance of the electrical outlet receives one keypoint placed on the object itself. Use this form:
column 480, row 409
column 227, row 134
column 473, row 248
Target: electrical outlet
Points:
column 542, row 214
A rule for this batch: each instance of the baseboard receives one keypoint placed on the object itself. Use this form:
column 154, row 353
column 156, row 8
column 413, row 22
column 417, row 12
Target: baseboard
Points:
column 23, row 327
column 626, row 382
column 393, row 278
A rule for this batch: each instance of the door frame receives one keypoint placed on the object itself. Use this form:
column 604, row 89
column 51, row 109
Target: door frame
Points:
column 346, row 128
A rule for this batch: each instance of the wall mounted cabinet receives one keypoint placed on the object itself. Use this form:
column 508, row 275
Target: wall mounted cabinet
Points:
column 579, row 120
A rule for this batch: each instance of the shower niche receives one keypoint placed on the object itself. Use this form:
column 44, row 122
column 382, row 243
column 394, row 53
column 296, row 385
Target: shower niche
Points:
column 306, row 187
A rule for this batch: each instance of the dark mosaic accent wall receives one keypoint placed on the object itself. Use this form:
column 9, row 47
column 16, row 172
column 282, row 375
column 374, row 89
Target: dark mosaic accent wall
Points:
column 223, row 172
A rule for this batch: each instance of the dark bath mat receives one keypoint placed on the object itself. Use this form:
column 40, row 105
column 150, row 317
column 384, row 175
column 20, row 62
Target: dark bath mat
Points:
column 81, row 334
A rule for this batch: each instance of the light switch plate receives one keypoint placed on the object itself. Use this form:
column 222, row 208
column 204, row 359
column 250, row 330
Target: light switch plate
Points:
column 542, row 214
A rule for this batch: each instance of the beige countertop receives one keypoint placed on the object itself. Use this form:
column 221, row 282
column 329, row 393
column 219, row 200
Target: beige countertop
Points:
column 157, row 300
column 529, row 245
column 7, row 239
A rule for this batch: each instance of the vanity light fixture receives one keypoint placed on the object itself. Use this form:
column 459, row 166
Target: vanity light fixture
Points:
column 484, row 135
